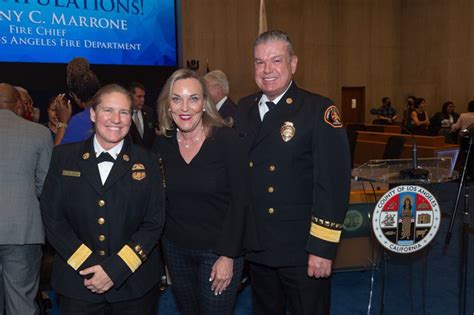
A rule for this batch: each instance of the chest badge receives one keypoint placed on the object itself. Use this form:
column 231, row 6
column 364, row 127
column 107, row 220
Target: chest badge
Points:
column 138, row 171
column 287, row 131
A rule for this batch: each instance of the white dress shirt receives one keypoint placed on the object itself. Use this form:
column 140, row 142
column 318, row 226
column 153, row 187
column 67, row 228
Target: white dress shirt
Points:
column 105, row 167
column 262, row 104
column 221, row 102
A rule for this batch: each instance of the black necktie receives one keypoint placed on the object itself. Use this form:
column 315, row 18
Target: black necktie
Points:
column 270, row 105
column 105, row 157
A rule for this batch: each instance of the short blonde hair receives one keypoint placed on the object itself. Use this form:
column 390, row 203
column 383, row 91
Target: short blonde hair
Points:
column 210, row 116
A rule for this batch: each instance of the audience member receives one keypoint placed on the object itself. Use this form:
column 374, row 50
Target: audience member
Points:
column 143, row 129
column 204, row 166
column 410, row 106
column 218, row 87
column 82, row 84
column 30, row 112
column 24, row 159
column 465, row 119
column 419, row 117
column 56, row 121
column 299, row 168
column 442, row 121
column 103, row 209
column 386, row 114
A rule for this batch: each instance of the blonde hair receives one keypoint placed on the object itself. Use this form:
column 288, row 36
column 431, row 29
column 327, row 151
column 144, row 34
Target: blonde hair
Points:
column 210, row 115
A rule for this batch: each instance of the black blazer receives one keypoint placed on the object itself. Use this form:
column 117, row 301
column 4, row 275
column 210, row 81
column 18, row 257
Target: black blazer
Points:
column 299, row 187
column 116, row 225
column 149, row 125
column 228, row 109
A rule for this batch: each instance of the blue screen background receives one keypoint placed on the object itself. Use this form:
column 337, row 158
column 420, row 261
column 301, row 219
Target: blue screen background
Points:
column 153, row 27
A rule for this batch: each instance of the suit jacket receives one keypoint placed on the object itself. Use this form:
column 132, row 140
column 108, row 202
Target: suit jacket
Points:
column 299, row 168
column 116, row 225
column 24, row 159
column 149, row 125
column 228, row 109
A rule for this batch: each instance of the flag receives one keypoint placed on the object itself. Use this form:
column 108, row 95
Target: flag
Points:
column 262, row 18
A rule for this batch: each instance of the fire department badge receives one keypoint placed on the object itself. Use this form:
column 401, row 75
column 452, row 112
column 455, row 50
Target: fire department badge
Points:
column 332, row 117
column 287, row 131
column 406, row 219
column 138, row 171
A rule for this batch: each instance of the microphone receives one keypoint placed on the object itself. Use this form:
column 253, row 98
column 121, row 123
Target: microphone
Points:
column 414, row 172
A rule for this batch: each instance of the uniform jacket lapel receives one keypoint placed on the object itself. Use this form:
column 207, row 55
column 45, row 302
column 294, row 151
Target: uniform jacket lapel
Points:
column 88, row 165
column 275, row 118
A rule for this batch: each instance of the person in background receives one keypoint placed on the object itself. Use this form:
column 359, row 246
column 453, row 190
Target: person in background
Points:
column 143, row 129
column 419, row 117
column 59, row 113
column 24, row 159
column 407, row 121
column 218, row 87
column 386, row 114
column 82, row 84
column 103, row 210
column 206, row 197
column 30, row 112
column 441, row 122
column 465, row 119
column 299, row 169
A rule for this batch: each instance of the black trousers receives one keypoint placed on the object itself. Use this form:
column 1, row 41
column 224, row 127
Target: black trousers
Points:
column 146, row 305
column 190, row 270
column 277, row 289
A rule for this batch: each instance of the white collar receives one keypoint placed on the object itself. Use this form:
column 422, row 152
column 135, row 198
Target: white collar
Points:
column 264, row 99
column 114, row 152
column 221, row 102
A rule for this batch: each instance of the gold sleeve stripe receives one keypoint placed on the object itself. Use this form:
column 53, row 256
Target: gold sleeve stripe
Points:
column 130, row 258
column 325, row 233
column 79, row 257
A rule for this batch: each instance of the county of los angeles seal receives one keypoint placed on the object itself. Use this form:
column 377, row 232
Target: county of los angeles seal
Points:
column 406, row 219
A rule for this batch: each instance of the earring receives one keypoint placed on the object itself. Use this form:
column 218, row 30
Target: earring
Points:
column 203, row 109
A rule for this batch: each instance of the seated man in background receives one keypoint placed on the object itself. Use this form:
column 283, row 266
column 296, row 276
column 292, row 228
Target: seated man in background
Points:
column 218, row 87
column 386, row 114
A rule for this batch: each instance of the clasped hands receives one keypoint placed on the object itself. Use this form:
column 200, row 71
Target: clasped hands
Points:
column 99, row 282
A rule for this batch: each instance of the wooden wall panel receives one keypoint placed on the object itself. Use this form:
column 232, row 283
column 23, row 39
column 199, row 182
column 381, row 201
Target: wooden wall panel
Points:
column 393, row 47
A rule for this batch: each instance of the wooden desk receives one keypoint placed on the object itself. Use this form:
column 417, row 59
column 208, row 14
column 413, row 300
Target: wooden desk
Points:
column 381, row 128
column 371, row 145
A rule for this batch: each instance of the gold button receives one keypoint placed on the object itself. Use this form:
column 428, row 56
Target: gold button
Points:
column 251, row 164
column 270, row 189
column 101, row 203
column 272, row 168
column 101, row 221
column 101, row 238
column 271, row 210
column 101, row 252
